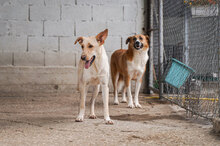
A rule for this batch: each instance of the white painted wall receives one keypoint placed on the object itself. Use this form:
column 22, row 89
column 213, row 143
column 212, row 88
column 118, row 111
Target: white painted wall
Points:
column 41, row 33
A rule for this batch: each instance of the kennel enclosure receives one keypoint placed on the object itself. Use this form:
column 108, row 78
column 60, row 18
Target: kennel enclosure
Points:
column 188, row 32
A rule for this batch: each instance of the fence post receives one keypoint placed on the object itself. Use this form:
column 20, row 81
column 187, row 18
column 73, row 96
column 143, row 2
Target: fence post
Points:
column 151, row 61
column 186, row 30
column 161, row 47
column 218, row 41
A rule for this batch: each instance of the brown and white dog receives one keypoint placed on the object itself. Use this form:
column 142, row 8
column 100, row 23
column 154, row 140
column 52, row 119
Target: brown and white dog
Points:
column 127, row 65
column 93, row 70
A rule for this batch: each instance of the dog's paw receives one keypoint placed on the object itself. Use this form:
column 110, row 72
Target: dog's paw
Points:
column 92, row 117
column 79, row 119
column 130, row 105
column 124, row 101
column 109, row 122
column 116, row 103
column 137, row 105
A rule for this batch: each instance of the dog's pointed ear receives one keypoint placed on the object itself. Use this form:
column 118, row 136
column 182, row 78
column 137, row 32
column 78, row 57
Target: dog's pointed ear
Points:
column 102, row 36
column 128, row 40
column 79, row 39
column 147, row 38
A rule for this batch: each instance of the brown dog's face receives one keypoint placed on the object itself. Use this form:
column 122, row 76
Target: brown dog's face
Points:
column 138, row 42
column 90, row 46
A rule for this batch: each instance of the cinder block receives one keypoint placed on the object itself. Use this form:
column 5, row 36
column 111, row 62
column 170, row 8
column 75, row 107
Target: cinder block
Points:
column 141, row 3
column 89, row 28
column 4, row 28
column 76, row 13
column 11, row 43
column 121, row 28
column 4, row 2
column 21, row 2
column 9, row 12
column 78, row 57
column 60, row 2
column 67, row 44
column 44, row 13
column 91, row 2
column 60, row 58
column 42, row 43
column 5, row 58
column 109, row 54
column 38, row 75
column 104, row 13
column 32, row 28
column 29, row 58
column 140, row 20
column 107, row 2
column 61, row 28
column 68, row 2
column 52, row 2
column 123, row 2
column 27, row 2
column 112, row 43
column 130, row 13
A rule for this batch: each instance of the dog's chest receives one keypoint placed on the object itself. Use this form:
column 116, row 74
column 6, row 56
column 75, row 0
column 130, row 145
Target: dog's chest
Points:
column 95, row 75
column 139, row 62
column 91, row 76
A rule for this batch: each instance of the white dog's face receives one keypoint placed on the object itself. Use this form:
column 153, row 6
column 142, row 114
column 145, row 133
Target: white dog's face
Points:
column 90, row 46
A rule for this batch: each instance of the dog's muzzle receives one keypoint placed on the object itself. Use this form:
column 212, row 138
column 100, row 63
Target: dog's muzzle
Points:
column 89, row 62
column 138, row 45
column 83, row 57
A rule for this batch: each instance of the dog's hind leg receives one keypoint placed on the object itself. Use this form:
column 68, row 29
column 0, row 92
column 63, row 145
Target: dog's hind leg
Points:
column 92, row 101
column 83, row 91
column 115, row 85
column 124, row 99
column 121, row 85
column 115, row 76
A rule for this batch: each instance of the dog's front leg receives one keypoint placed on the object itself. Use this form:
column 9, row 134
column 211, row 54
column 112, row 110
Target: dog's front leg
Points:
column 95, row 94
column 128, row 85
column 105, row 97
column 137, row 89
column 83, row 92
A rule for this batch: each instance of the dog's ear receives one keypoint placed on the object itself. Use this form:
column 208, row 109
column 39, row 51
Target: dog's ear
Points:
column 79, row 39
column 102, row 36
column 128, row 40
column 147, row 38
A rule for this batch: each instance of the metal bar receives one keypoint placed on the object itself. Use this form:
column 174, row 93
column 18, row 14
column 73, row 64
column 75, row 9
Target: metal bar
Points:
column 190, row 110
column 161, row 47
column 151, row 45
column 186, row 30
column 218, row 43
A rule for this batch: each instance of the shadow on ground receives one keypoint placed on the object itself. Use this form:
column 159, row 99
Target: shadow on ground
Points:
column 146, row 117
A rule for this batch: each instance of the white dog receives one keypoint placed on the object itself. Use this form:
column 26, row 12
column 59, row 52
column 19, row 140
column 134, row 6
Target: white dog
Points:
column 93, row 70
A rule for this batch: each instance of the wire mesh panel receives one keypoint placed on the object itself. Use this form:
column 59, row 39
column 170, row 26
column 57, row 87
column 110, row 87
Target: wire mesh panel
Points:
column 191, row 33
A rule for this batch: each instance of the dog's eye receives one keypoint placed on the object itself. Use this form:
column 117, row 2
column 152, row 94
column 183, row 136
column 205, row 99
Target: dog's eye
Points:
column 90, row 46
column 140, row 38
column 134, row 39
column 82, row 46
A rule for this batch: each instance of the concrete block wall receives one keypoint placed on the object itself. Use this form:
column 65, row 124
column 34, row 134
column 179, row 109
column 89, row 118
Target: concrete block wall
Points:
column 39, row 35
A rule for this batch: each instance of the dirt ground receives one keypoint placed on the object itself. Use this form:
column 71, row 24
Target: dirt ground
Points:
column 50, row 120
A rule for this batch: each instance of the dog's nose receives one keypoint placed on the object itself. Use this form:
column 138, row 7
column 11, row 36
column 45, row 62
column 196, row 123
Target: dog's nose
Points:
column 83, row 57
column 137, row 43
